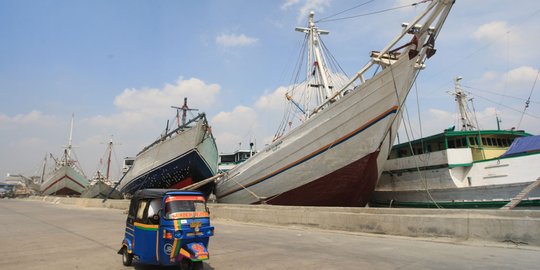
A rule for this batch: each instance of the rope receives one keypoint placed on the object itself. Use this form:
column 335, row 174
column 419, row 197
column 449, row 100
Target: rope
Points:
column 341, row 12
column 247, row 189
column 528, row 99
column 506, row 106
column 373, row 12
column 424, row 180
column 498, row 94
column 416, row 164
column 445, row 69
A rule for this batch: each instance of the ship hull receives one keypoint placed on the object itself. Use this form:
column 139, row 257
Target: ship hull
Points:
column 188, row 157
column 488, row 183
column 492, row 196
column 341, row 187
column 188, row 168
column 339, row 151
column 100, row 190
column 64, row 181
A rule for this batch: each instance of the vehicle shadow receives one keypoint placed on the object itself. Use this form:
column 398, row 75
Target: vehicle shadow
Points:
column 138, row 266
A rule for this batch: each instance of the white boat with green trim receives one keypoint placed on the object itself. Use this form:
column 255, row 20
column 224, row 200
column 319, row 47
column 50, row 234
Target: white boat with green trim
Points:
column 469, row 168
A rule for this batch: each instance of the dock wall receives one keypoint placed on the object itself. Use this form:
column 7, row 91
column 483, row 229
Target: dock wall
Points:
column 515, row 226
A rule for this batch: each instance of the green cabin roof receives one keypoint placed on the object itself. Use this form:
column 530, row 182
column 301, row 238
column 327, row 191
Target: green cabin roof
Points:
column 463, row 133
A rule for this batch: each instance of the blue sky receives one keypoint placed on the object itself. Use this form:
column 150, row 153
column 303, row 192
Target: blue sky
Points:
column 120, row 65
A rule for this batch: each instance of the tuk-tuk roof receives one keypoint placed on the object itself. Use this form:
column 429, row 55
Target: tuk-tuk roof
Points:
column 155, row 193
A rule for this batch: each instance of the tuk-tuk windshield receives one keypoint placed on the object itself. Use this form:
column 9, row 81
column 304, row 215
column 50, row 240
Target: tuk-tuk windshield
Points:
column 177, row 207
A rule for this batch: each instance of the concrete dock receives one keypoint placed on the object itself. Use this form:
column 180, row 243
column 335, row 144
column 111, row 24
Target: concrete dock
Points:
column 521, row 227
column 45, row 235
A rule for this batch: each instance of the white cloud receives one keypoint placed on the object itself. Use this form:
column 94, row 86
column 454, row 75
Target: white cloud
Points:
column 32, row 118
column 435, row 121
column 289, row 3
column 238, row 117
column 157, row 101
column 273, row 100
column 516, row 82
column 231, row 128
column 317, row 6
column 522, row 74
column 143, row 113
column 257, row 123
column 492, row 31
column 233, row 40
column 508, row 43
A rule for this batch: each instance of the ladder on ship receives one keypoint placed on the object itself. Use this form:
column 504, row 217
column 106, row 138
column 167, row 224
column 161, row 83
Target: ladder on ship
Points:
column 518, row 198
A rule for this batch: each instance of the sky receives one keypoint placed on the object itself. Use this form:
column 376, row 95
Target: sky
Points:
column 118, row 66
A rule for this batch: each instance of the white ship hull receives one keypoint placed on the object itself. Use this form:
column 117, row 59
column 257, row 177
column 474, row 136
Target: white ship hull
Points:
column 451, row 177
column 65, row 180
column 102, row 190
column 333, row 158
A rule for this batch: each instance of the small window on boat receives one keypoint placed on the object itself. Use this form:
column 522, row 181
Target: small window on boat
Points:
column 402, row 152
column 499, row 142
column 484, row 142
column 451, row 144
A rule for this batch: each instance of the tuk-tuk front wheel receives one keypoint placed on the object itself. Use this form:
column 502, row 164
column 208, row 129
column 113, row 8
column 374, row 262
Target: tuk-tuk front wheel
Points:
column 127, row 258
column 187, row 264
column 197, row 266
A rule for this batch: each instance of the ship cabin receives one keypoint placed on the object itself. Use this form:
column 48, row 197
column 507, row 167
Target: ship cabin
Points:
column 484, row 144
column 230, row 160
column 128, row 163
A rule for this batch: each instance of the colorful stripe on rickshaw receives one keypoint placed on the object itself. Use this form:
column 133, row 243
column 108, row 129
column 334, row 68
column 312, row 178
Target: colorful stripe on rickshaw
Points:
column 146, row 227
column 177, row 242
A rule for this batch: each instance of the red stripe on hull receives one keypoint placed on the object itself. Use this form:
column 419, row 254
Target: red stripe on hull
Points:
column 62, row 178
column 184, row 183
column 65, row 192
column 351, row 185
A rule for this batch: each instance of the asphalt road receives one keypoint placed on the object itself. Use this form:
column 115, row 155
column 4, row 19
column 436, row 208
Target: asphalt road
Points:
column 39, row 235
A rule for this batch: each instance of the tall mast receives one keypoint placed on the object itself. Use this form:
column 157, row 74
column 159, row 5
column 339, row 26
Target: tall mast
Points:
column 184, row 109
column 43, row 171
column 109, row 159
column 70, row 141
column 461, row 100
column 314, row 54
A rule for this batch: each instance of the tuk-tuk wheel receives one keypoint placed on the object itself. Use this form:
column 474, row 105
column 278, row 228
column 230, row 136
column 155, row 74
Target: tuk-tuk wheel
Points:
column 187, row 264
column 197, row 266
column 127, row 258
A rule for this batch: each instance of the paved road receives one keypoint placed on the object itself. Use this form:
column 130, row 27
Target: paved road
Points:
column 38, row 235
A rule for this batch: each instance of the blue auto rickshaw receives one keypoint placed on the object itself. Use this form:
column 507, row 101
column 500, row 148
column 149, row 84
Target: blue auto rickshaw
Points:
column 167, row 227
